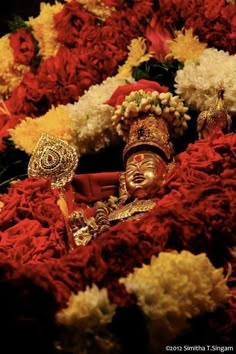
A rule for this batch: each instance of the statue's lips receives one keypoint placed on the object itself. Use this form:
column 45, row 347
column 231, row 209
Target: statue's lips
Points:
column 138, row 179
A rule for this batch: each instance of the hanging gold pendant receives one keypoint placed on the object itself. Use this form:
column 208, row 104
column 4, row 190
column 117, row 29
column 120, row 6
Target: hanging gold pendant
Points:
column 53, row 157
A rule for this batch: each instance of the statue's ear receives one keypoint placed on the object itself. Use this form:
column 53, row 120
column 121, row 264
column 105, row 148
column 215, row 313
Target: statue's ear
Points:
column 123, row 194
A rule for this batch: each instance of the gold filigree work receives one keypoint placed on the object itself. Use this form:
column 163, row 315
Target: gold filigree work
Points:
column 53, row 157
column 133, row 209
column 150, row 130
column 215, row 118
column 82, row 228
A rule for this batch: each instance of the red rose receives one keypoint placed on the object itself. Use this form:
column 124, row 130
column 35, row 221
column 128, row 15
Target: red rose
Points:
column 7, row 120
column 122, row 91
column 71, row 20
column 23, row 46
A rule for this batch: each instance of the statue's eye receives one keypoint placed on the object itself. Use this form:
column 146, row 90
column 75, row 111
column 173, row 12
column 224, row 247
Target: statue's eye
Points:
column 148, row 165
column 130, row 169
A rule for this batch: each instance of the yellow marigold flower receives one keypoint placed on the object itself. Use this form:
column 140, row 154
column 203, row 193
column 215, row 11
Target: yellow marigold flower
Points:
column 44, row 29
column 185, row 46
column 97, row 7
column 55, row 122
column 10, row 72
column 137, row 55
column 1, row 205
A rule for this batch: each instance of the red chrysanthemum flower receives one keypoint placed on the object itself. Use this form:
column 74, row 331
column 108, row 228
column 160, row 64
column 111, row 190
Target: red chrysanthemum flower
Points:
column 23, row 47
column 70, row 21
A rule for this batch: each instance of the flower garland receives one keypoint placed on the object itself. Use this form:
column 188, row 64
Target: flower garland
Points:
column 11, row 72
column 79, row 54
column 44, row 31
column 55, row 122
column 91, row 118
column 197, row 81
column 49, row 86
column 165, row 104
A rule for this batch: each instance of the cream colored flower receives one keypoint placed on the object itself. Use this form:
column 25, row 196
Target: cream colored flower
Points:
column 197, row 83
column 174, row 288
column 165, row 104
column 185, row 46
column 91, row 118
column 137, row 55
column 85, row 322
column 55, row 122
column 11, row 73
column 44, row 29
column 87, row 309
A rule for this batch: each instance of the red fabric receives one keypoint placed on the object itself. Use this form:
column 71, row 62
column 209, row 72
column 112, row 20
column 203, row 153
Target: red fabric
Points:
column 92, row 187
column 122, row 91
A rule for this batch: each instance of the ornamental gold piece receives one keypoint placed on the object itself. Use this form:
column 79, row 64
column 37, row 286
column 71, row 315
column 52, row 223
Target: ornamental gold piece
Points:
column 133, row 209
column 215, row 118
column 54, row 158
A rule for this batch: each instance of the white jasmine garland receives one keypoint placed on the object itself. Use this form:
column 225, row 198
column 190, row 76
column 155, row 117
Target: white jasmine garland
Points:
column 163, row 104
column 174, row 288
column 197, row 83
column 91, row 118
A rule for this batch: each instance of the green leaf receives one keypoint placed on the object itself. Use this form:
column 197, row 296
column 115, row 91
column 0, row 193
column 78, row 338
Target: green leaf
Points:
column 17, row 23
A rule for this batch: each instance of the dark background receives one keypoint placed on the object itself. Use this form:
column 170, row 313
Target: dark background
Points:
column 23, row 8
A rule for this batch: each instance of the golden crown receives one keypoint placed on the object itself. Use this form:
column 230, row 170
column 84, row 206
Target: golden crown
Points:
column 149, row 132
column 150, row 119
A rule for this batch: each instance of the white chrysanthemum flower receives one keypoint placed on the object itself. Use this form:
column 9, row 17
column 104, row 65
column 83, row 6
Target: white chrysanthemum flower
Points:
column 197, row 83
column 91, row 118
column 176, row 287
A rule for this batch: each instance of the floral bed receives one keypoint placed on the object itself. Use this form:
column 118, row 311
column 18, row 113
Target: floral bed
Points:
column 167, row 279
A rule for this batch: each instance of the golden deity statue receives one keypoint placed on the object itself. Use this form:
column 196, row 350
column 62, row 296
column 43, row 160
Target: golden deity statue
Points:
column 147, row 119
column 147, row 157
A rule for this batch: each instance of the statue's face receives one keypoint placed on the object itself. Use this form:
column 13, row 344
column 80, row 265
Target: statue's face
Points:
column 144, row 174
